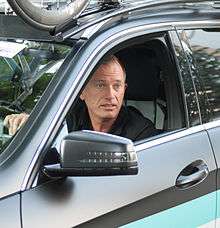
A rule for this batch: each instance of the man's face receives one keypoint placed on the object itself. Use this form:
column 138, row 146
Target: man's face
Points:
column 104, row 92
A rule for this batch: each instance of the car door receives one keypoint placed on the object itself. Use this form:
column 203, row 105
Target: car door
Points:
column 206, row 59
column 175, row 186
column 153, row 198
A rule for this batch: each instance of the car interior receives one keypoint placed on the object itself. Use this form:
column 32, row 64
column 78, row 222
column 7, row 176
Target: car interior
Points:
column 152, row 84
column 145, row 91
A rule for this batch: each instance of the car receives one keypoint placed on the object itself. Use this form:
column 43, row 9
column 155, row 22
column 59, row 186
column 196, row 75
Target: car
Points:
column 51, row 177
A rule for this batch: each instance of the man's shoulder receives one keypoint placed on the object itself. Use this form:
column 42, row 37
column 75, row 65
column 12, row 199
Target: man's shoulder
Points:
column 136, row 117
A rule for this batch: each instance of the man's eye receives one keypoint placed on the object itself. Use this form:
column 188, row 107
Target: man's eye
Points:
column 117, row 86
column 100, row 85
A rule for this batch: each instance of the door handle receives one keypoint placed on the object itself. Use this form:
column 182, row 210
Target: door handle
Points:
column 193, row 174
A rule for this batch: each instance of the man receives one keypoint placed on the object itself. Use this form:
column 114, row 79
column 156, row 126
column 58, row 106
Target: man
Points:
column 103, row 108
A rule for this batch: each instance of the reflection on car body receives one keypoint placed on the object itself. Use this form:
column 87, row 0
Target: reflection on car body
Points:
column 170, row 52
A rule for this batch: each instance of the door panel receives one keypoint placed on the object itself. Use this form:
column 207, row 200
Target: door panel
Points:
column 119, row 200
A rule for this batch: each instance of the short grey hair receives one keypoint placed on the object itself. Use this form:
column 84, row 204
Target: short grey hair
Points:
column 113, row 58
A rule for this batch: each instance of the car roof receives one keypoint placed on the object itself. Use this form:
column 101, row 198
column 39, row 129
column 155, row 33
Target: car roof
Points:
column 100, row 13
column 159, row 9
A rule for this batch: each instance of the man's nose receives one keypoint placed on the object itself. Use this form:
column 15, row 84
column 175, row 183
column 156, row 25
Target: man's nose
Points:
column 110, row 92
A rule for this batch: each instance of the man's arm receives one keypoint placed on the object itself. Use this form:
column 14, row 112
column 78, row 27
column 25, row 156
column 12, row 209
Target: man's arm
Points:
column 15, row 121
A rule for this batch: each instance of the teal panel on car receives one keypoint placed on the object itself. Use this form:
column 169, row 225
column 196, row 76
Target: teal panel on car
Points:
column 194, row 213
column 218, row 207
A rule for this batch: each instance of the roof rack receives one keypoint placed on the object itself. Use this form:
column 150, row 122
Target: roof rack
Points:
column 62, row 34
column 216, row 4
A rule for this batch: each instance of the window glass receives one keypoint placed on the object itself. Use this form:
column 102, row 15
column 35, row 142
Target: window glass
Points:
column 183, row 52
column 206, row 52
column 26, row 68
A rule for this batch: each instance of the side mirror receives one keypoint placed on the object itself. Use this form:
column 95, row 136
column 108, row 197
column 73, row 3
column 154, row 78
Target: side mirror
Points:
column 89, row 153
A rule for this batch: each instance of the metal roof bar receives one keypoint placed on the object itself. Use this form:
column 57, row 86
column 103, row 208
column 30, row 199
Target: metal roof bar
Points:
column 59, row 35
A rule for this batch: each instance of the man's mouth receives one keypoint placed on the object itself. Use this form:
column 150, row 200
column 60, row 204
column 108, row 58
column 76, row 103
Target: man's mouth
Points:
column 109, row 106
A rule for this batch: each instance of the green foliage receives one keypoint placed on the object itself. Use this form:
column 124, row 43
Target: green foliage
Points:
column 10, row 90
column 5, row 71
column 38, row 89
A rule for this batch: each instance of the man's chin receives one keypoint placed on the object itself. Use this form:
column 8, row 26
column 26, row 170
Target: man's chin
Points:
column 110, row 115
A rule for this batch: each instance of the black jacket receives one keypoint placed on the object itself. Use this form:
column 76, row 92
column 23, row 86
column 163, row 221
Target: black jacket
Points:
column 130, row 123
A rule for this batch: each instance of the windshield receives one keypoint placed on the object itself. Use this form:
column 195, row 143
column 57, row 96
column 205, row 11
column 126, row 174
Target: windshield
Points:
column 26, row 68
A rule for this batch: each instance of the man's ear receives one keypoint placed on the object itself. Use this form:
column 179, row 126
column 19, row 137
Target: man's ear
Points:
column 82, row 96
column 126, row 86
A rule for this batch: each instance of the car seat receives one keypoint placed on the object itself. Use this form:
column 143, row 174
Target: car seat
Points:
column 145, row 85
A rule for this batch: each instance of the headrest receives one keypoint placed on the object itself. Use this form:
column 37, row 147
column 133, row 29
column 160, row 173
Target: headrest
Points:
column 142, row 73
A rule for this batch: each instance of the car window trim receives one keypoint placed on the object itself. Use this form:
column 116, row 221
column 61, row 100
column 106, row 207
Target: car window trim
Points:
column 167, row 137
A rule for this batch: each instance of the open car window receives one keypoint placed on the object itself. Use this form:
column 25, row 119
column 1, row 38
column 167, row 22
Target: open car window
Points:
column 26, row 68
column 151, row 96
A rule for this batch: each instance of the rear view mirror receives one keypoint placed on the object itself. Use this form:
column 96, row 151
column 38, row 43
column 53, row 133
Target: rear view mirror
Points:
column 89, row 153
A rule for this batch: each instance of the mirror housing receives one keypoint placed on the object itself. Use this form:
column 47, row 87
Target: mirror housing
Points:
column 90, row 153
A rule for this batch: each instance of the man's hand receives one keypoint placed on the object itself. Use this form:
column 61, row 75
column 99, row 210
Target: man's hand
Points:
column 14, row 122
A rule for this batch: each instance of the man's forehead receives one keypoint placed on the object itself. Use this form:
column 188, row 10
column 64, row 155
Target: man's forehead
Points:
column 109, row 70
column 105, row 80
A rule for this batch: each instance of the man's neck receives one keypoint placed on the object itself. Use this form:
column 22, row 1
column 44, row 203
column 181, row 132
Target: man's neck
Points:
column 104, row 125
